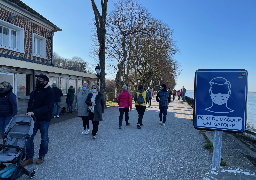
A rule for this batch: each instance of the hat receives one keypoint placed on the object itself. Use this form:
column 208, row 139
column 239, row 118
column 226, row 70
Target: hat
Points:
column 124, row 87
column 43, row 76
column 164, row 86
column 54, row 84
column 5, row 84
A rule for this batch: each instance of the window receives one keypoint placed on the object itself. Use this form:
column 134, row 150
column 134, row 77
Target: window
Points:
column 9, row 77
column 53, row 80
column 72, row 82
column 63, row 85
column 39, row 46
column 21, row 84
column 11, row 37
column 79, row 85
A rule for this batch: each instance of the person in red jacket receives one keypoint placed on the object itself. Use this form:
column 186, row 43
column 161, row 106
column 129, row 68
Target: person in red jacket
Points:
column 124, row 101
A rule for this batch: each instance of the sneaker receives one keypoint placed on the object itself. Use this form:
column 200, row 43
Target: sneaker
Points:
column 141, row 124
column 58, row 116
column 54, row 116
column 127, row 124
column 40, row 160
column 27, row 162
column 138, row 126
column 163, row 124
column 93, row 137
column 160, row 122
column 87, row 131
column 120, row 127
column 84, row 132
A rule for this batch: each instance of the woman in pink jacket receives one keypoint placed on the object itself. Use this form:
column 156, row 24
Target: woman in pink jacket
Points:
column 124, row 101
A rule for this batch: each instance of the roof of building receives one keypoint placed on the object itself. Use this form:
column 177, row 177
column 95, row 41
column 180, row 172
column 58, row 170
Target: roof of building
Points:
column 18, row 62
column 29, row 10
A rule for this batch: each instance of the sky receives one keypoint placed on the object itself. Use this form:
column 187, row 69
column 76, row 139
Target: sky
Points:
column 212, row 34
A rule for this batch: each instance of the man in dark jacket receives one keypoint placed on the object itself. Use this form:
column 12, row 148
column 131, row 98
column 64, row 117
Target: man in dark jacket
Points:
column 58, row 93
column 8, row 105
column 40, row 105
column 163, row 97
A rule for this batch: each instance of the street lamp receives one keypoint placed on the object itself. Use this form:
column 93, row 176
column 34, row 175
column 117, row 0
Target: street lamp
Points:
column 98, row 70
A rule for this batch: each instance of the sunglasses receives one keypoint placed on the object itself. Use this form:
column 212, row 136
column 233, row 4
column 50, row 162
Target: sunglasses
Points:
column 94, row 88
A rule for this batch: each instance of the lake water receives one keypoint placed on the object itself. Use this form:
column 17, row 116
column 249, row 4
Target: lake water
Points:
column 251, row 107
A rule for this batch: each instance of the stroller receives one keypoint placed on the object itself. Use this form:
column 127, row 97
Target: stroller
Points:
column 17, row 133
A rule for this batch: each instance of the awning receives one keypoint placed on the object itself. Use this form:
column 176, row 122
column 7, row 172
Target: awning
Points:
column 40, row 67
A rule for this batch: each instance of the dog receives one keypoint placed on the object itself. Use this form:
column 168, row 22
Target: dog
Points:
column 63, row 111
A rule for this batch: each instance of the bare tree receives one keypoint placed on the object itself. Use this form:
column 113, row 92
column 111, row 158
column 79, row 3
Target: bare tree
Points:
column 100, row 22
column 127, row 19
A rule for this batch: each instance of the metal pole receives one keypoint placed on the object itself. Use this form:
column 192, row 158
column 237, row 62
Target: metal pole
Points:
column 217, row 144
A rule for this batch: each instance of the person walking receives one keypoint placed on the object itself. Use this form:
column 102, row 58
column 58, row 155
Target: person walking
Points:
column 124, row 101
column 40, row 105
column 163, row 97
column 183, row 93
column 95, row 101
column 82, row 107
column 58, row 93
column 149, row 96
column 178, row 94
column 8, row 106
column 170, row 91
column 173, row 94
column 71, row 96
column 141, row 98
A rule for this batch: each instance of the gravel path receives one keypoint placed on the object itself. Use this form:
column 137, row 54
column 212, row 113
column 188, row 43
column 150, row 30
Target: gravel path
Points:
column 159, row 152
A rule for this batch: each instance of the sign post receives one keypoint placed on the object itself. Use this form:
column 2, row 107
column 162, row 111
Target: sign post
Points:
column 220, row 104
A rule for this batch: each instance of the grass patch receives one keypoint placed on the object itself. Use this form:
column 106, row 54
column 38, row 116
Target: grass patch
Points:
column 223, row 163
column 209, row 146
column 111, row 103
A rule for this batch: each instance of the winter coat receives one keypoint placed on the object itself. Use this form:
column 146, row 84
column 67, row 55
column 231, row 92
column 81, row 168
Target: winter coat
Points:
column 58, row 93
column 41, row 103
column 71, row 94
column 124, row 99
column 178, row 93
column 149, row 94
column 98, row 108
column 183, row 91
column 81, row 105
column 146, row 99
column 163, row 97
column 8, row 103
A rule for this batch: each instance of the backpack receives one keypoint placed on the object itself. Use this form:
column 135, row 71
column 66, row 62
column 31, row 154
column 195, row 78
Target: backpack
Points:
column 140, row 100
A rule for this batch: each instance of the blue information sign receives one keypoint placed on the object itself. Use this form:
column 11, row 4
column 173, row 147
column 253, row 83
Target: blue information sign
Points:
column 220, row 99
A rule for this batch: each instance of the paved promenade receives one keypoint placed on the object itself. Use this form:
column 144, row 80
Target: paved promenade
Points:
column 173, row 152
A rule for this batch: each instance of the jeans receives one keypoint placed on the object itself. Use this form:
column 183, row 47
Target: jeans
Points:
column 140, row 110
column 163, row 110
column 4, row 121
column 70, row 105
column 173, row 97
column 95, row 125
column 122, row 111
column 58, row 108
column 149, row 101
column 43, row 126
column 85, row 122
column 183, row 97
